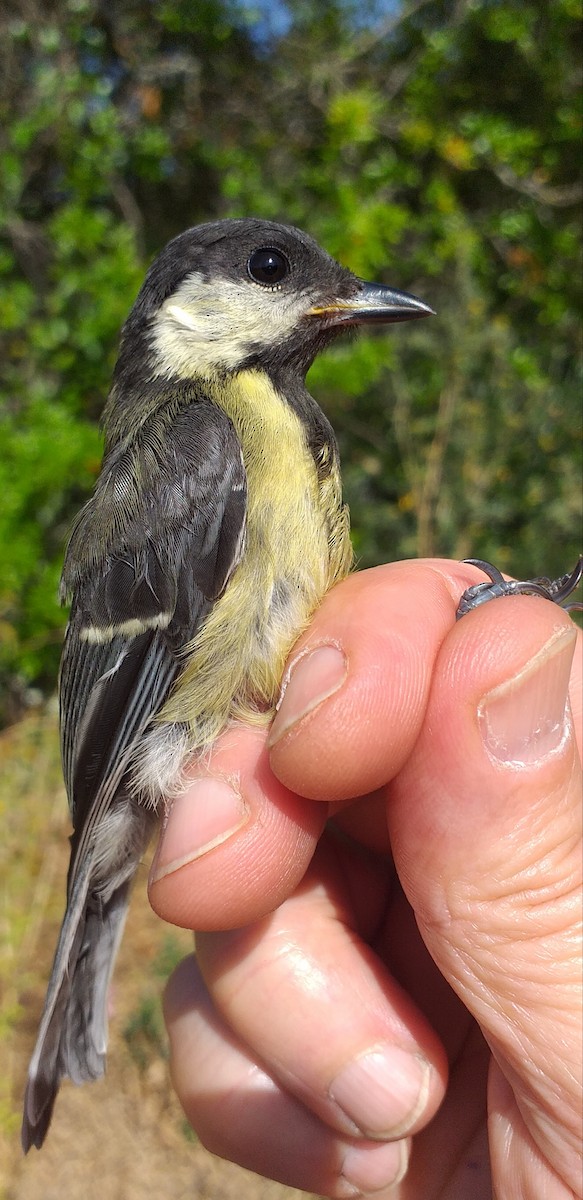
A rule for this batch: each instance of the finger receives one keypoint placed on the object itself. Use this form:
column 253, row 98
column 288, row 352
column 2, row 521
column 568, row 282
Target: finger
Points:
column 317, row 1006
column 485, row 828
column 357, row 684
column 235, row 842
column 242, row 1114
column 576, row 692
column 240, row 825
column 512, row 1143
column 237, row 822
column 451, row 1158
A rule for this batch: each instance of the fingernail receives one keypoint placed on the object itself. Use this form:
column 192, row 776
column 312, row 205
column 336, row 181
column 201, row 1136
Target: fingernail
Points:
column 312, row 677
column 201, row 818
column 383, row 1092
column 370, row 1169
column 525, row 719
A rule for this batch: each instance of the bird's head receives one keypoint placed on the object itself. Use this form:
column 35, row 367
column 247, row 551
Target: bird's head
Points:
column 238, row 293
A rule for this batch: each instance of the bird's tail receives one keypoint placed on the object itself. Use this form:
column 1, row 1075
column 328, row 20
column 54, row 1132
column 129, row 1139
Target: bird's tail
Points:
column 72, row 1039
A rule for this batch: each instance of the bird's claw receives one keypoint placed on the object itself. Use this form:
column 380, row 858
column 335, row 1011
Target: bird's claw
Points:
column 557, row 590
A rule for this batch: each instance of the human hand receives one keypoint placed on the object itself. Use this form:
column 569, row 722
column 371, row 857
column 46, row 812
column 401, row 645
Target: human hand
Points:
column 358, row 992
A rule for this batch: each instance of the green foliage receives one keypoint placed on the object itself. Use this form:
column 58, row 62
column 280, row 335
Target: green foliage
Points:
column 432, row 146
column 59, row 350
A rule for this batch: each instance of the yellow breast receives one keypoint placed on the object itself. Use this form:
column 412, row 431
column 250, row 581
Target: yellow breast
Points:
column 297, row 545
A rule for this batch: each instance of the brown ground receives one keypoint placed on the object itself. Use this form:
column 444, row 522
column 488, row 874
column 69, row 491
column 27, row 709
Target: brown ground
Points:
column 123, row 1138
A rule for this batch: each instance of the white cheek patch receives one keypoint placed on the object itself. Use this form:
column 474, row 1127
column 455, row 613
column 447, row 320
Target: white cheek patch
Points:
column 181, row 316
column 209, row 325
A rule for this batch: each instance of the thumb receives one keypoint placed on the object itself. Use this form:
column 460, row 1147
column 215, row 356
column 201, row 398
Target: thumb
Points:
column 485, row 825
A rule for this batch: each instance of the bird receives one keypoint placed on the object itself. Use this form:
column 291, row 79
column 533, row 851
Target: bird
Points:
column 215, row 528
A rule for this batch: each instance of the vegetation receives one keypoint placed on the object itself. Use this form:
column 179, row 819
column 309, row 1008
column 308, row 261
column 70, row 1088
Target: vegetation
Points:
column 429, row 144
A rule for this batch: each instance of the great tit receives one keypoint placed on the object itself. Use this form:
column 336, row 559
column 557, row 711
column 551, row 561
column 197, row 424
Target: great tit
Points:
column 215, row 529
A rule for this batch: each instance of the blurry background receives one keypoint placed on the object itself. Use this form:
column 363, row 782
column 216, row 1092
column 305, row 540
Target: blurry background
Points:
column 432, row 145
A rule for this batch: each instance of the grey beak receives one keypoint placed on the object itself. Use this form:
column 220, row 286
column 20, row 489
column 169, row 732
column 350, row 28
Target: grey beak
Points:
column 373, row 303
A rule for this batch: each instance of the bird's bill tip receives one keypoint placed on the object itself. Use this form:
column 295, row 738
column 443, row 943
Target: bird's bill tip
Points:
column 373, row 302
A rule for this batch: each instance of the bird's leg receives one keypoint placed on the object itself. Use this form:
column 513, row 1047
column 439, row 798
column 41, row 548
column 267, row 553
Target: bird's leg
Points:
column 557, row 590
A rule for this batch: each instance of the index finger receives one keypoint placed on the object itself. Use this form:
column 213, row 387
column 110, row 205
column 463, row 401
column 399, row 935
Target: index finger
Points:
column 225, row 862
column 357, row 684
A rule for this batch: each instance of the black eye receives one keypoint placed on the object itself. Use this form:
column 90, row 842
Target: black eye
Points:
column 268, row 265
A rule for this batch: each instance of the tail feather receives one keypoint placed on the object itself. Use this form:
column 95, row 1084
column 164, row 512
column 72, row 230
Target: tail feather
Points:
column 72, row 1037
column 84, row 1037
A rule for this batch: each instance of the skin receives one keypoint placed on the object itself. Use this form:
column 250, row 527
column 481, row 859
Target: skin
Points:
column 435, row 918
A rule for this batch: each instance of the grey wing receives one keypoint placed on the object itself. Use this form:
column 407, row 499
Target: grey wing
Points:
column 145, row 565
column 151, row 551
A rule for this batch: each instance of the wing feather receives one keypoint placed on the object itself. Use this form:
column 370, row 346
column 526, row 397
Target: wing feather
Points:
column 151, row 552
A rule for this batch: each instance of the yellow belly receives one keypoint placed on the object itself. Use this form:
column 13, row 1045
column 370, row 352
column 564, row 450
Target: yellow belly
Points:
column 297, row 545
